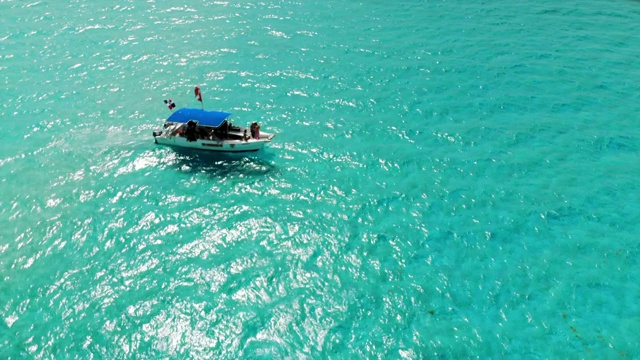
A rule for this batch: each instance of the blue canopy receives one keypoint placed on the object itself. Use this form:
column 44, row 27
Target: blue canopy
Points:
column 204, row 118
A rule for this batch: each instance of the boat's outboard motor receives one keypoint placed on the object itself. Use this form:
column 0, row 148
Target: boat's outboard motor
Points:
column 190, row 133
column 156, row 133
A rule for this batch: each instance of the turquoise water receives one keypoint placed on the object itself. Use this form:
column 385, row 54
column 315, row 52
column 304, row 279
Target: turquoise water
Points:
column 450, row 180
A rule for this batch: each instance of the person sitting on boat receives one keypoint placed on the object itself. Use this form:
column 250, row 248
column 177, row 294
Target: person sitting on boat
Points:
column 246, row 136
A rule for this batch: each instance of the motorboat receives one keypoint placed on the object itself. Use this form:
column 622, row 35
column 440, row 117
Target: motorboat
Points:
column 211, row 131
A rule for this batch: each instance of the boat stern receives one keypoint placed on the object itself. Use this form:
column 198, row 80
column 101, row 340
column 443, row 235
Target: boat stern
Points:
column 156, row 133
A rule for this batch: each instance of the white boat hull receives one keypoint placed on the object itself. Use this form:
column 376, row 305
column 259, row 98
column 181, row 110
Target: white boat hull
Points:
column 172, row 137
column 213, row 145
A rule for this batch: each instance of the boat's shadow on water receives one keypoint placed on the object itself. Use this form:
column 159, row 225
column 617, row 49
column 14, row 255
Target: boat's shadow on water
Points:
column 224, row 164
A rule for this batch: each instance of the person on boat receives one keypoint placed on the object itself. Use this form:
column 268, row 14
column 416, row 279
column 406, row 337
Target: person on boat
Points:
column 257, row 131
column 246, row 136
column 253, row 129
column 191, row 131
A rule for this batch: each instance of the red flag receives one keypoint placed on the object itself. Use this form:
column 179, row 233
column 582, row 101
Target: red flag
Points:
column 198, row 94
